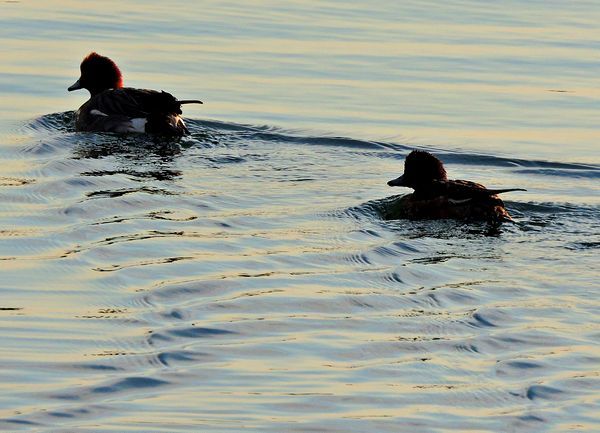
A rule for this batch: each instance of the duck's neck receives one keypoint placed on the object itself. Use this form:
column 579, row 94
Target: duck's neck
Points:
column 429, row 189
column 98, row 90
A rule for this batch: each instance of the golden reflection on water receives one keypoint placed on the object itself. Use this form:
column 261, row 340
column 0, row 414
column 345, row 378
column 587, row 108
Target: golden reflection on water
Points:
column 441, row 82
column 262, row 288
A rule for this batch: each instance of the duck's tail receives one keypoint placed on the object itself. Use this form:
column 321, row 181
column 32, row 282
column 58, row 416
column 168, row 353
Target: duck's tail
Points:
column 189, row 101
column 500, row 191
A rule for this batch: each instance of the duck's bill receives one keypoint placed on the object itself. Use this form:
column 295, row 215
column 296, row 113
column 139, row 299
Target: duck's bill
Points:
column 399, row 181
column 75, row 86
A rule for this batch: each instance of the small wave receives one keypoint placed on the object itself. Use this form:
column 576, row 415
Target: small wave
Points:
column 212, row 133
column 136, row 175
column 192, row 332
column 168, row 358
column 520, row 165
column 530, row 208
column 52, row 123
column 129, row 383
column 583, row 245
column 589, row 173
column 272, row 133
column 125, row 191
column 20, row 422
column 536, row 392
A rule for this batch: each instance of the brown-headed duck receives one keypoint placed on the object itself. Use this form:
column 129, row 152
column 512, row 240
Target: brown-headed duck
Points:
column 436, row 197
column 114, row 108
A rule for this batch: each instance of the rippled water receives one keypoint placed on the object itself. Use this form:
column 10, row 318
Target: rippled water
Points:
column 242, row 279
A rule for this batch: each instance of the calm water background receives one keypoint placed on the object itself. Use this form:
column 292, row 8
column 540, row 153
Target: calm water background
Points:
column 242, row 279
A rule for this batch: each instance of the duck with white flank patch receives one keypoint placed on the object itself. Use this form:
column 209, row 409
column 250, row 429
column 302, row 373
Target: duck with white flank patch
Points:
column 114, row 108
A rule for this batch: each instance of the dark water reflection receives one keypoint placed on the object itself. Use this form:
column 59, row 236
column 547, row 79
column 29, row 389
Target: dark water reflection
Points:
column 242, row 279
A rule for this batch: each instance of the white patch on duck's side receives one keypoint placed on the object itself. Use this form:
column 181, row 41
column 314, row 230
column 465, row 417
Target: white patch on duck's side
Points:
column 97, row 113
column 456, row 201
column 138, row 124
column 179, row 124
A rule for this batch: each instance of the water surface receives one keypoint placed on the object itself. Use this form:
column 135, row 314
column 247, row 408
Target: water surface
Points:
column 242, row 279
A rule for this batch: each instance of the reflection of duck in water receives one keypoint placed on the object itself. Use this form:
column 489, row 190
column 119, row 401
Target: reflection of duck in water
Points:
column 436, row 197
column 114, row 108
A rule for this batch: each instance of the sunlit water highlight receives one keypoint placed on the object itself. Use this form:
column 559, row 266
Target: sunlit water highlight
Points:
column 242, row 279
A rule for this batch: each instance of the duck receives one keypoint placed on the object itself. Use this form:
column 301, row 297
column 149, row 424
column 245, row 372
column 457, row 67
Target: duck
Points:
column 118, row 109
column 436, row 197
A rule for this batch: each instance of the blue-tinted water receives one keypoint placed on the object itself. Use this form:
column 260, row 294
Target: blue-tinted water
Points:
column 243, row 279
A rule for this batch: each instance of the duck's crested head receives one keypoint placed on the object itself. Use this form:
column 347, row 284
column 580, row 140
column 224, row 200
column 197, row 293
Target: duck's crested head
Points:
column 98, row 73
column 420, row 168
